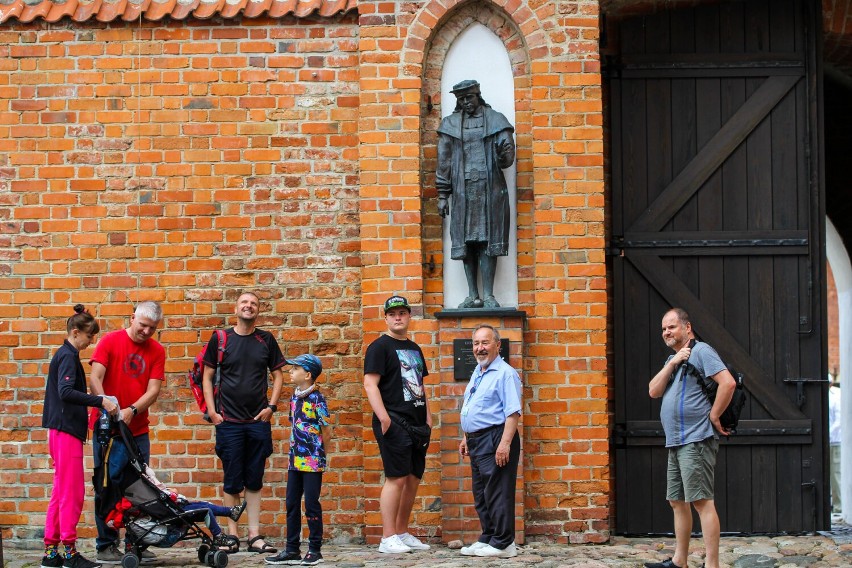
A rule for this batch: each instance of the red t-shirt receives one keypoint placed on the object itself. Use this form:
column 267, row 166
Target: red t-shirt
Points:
column 129, row 367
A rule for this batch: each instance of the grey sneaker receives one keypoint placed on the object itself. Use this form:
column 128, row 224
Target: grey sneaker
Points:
column 109, row 555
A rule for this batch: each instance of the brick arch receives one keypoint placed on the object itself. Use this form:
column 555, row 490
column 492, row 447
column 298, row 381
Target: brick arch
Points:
column 431, row 18
column 435, row 48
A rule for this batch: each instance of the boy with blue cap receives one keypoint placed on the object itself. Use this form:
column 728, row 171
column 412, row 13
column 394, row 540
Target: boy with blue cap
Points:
column 308, row 414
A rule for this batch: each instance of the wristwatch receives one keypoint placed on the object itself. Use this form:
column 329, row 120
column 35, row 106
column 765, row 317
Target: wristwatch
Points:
column 272, row 407
column 133, row 408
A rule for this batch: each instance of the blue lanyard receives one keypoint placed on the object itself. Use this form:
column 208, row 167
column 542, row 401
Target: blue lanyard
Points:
column 476, row 383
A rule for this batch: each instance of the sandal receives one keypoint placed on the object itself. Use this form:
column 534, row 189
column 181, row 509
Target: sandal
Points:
column 228, row 543
column 268, row 548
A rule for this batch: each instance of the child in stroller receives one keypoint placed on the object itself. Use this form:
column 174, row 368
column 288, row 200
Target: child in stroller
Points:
column 153, row 515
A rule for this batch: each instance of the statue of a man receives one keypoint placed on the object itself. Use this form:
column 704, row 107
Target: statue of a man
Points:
column 474, row 145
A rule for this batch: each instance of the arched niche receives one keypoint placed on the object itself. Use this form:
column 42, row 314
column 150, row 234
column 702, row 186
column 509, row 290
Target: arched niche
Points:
column 469, row 20
column 477, row 53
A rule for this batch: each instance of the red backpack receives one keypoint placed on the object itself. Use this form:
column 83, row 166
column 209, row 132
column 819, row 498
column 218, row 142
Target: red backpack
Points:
column 196, row 374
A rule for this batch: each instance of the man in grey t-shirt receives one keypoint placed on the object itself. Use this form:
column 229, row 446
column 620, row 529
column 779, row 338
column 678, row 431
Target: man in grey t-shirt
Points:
column 692, row 430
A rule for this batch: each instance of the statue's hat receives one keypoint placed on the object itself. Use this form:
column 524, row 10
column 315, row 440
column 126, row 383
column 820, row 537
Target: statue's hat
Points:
column 465, row 85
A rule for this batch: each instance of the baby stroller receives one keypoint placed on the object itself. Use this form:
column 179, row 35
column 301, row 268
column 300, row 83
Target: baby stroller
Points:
column 149, row 515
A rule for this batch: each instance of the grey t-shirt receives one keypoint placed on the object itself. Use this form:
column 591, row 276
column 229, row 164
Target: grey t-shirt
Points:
column 685, row 412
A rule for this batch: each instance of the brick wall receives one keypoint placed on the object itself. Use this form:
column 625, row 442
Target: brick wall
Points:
column 184, row 161
column 554, row 52
column 180, row 162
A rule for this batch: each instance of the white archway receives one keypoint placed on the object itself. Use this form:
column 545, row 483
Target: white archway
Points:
column 841, row 267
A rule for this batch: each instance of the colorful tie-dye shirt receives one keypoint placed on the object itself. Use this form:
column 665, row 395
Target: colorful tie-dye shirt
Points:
column 307, row 451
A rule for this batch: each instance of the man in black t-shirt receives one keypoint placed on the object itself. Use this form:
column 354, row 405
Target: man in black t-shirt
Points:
column 242, row 412
column 394, row 368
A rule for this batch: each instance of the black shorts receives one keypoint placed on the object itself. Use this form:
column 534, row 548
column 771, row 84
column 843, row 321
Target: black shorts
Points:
column 400, row 455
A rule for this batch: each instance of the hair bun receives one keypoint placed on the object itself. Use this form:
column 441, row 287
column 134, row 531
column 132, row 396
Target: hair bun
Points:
column 79, row 309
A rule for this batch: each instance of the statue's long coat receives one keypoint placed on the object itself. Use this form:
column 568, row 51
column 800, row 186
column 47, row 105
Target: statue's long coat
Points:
column 450, row 180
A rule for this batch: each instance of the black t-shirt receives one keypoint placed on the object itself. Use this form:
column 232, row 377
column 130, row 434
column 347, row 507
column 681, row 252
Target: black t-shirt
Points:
column 402, row 367
column 245, row 372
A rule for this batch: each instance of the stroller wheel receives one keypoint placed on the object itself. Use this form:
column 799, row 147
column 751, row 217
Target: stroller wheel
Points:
column 217, row 559
column 129, row 560
column 202, row 553
column 220, row 559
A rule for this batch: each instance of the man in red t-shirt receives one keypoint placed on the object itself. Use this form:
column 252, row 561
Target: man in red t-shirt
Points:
column 129, row 365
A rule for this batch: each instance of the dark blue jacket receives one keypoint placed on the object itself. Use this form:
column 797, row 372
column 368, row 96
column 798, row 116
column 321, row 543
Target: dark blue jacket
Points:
column 66, row 399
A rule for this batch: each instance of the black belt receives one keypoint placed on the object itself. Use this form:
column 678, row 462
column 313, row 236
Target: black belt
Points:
column 484, row 431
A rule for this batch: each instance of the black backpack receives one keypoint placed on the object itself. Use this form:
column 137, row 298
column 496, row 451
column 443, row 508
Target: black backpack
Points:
column 731, row 416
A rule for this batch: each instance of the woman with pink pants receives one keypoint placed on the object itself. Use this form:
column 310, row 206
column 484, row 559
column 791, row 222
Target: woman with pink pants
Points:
column 65, row 403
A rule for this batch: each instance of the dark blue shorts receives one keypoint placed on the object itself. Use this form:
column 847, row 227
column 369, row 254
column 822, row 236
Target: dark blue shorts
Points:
column 243, row 449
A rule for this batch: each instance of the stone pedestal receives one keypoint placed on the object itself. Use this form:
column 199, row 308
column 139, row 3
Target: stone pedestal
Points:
column 459, row 519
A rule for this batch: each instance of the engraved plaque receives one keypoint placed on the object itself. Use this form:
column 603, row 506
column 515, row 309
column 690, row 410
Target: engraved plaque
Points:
column 463, row 360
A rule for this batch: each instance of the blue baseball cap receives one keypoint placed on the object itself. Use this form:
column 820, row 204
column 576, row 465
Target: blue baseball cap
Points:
column 310, row 363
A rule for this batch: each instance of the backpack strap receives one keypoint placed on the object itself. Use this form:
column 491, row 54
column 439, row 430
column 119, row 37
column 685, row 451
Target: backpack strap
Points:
column 699, row 378
column 221, row 341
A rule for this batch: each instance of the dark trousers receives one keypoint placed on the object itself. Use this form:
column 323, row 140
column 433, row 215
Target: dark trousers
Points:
column 494, row 487
column 309, row 484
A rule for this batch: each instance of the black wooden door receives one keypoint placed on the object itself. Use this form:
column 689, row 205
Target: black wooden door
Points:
column 716, row 208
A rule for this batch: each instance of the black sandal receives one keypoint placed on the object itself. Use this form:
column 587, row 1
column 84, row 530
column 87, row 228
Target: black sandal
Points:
column 268, row 548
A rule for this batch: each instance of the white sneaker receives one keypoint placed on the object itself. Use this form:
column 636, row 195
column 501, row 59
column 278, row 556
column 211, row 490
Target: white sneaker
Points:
column 471, row 550
column 393, row 545
column 413, row 542
column 488, row 550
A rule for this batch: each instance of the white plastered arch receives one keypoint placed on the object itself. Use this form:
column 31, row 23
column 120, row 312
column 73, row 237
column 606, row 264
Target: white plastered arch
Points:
column 841, row 267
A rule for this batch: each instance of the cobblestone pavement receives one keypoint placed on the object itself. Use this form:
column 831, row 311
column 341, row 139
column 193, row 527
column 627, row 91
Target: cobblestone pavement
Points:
column 736, row 552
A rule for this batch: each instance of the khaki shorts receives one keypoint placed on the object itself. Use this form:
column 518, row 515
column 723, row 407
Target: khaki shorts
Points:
column 691, row 470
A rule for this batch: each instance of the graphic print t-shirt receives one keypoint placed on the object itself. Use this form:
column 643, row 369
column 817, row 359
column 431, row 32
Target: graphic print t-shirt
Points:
column 246, row 364
column 401, row 365
column 307, row 415
column 129, row 367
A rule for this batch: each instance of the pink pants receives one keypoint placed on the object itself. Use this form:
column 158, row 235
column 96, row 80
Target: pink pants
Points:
column 66, row 499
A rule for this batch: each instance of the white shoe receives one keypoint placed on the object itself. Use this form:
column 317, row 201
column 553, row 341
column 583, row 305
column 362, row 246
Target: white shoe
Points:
column 393, row 545
column 471, row 550
column 413, row 542
column 488, row 550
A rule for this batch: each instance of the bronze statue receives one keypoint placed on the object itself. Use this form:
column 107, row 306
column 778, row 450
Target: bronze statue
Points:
column 474, row 145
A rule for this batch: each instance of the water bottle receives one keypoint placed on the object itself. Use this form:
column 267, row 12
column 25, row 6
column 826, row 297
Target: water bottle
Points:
column 103, row 421
column 102, row 428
